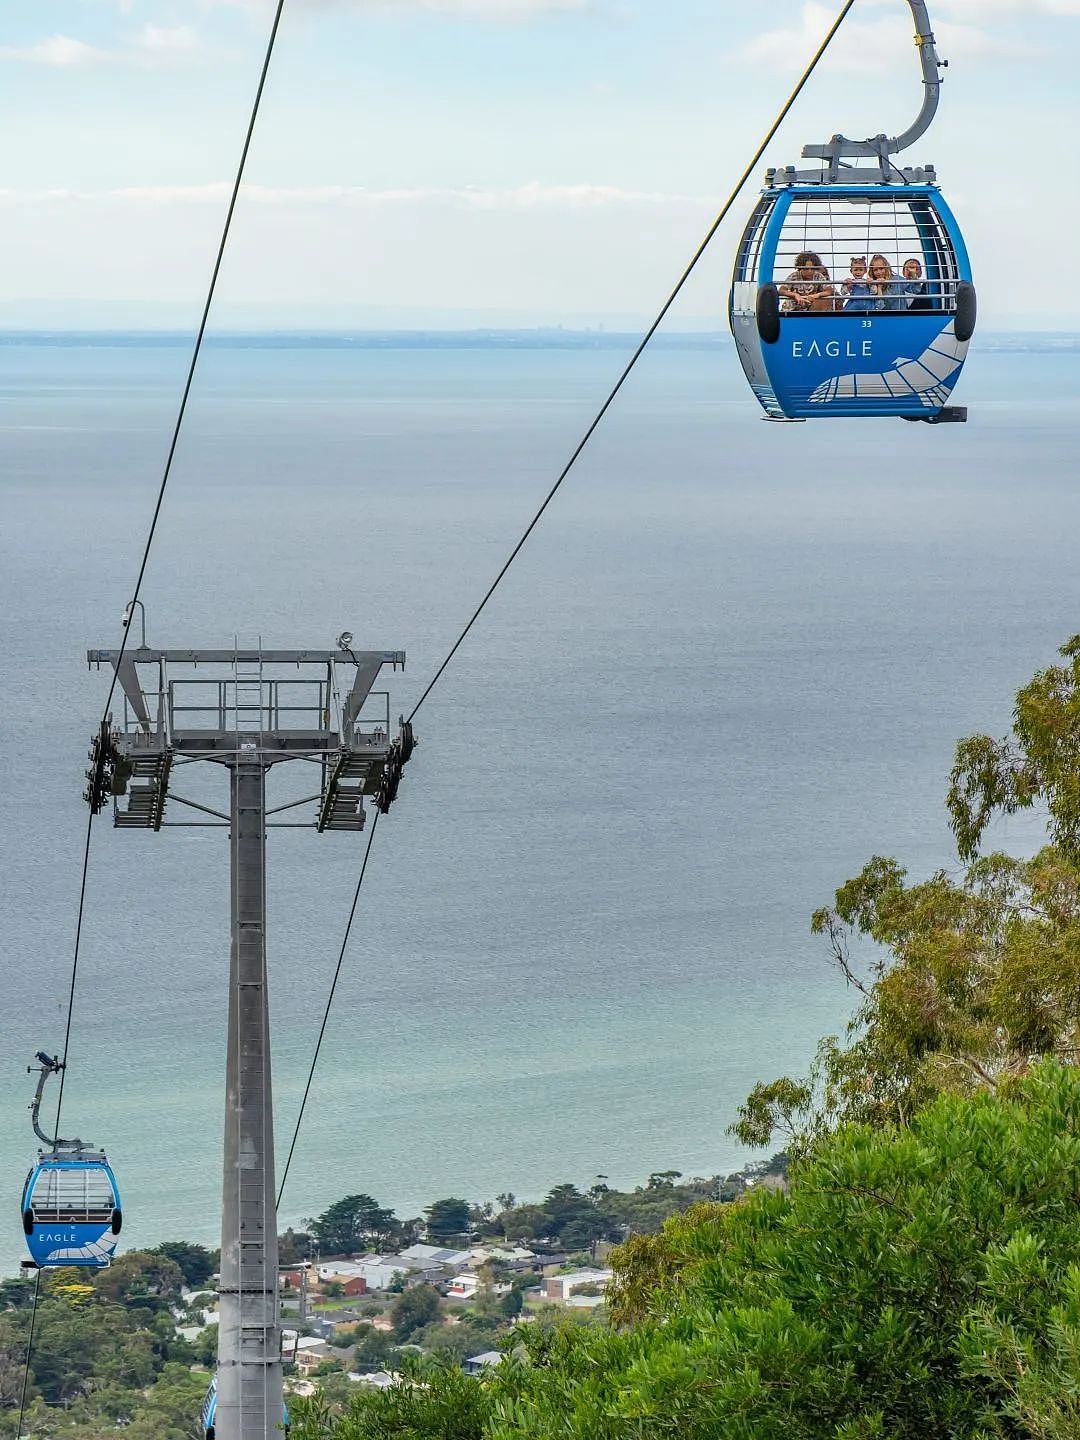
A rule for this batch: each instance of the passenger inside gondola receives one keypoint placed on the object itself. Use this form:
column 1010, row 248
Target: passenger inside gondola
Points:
column 914, row 286
column 857, row 286
column 884, row 286
column 807, row 288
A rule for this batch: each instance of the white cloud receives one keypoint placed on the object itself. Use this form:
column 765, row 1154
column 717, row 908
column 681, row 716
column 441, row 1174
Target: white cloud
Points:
column 875, row 45
column 981, row 9
column 506, row 10
column 59, row 51
column 491, row 9
column 499, row 9
column 531, row 196
column 166, row 41
column 988, row 9
column 152, row 45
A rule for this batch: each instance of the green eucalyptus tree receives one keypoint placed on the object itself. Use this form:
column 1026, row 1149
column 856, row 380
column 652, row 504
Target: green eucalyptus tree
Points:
column 915, row 1282
column 973, row 976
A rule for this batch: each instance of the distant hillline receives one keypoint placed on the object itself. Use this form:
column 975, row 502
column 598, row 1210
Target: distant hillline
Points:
column 1041, row 342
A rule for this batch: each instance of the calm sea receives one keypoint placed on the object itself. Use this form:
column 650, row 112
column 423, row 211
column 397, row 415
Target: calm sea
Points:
column 728, row 668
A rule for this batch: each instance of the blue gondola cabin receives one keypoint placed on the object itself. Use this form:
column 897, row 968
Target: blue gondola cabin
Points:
column 209, row 1414
column 853, row 301
column 71, row 1209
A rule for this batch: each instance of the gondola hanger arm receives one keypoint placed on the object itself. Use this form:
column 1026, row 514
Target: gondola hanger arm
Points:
column 47, row 1065
column 882, row 146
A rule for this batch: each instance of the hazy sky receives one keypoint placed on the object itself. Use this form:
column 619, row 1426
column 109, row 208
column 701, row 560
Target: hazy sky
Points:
column 491, row 161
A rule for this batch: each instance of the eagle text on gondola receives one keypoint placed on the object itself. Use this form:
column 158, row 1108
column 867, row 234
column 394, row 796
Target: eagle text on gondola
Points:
column 800, row 350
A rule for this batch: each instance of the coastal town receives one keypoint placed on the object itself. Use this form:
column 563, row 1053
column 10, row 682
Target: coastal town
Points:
column 328, row 1302
column 368, row 1300
column 326, row 1305
column 354, row 1315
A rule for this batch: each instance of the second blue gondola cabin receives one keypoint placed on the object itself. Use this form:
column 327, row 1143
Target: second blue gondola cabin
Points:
column 71, row 1210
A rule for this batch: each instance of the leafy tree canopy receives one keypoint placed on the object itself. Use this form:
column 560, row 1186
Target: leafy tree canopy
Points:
column 140, row 1277
column 352, row 1224
column 973, row 977
column 435, row 1401
column 447, row 1220
column 196, row 1262
column 413, row 1309
column 1038, row 764
column 913, row 1283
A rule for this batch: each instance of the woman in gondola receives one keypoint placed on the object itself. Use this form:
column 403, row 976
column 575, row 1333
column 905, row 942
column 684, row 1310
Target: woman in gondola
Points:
column 807, row 288
column 884, row 285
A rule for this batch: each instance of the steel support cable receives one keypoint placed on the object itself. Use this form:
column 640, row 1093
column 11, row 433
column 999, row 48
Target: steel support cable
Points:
column 804, row 79
column 326, row 1011
column 26, row 1364
column 156, row 515
column 668, row 303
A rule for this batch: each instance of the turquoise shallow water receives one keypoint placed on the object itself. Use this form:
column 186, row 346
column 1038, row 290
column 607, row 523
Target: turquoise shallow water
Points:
column 729, row 667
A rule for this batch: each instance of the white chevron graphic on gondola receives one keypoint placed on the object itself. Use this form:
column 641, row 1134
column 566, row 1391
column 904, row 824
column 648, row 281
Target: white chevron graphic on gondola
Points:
column 98, row 1252
column 925, row 377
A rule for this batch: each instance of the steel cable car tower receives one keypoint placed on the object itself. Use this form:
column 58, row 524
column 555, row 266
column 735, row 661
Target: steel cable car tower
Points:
column 249, row 710
column 888, row 338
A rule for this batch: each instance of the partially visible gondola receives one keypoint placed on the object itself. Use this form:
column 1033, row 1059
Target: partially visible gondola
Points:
column 209, row 1414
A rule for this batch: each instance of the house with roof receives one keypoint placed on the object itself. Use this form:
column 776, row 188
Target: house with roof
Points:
column 468, row 1284
column 311, row 1352
column 561, row 1288
column 377, row 1380
column 513, row 1257
column 378, row 1272
column 438, row 1278
column 328, row 1322
column 353, row 1287
column 463, row 1286
column 421, row 1257
column 477, row 1364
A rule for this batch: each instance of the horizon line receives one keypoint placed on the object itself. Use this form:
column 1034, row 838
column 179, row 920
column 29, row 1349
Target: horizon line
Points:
column 554, row 329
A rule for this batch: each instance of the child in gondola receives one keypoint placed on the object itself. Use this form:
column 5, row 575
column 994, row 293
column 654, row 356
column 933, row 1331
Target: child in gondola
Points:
column 857, row 288
column 914, row 285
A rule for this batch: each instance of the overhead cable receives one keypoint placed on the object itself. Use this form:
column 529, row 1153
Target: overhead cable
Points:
column 156, row 515
column 182, row 411
column 29, row 1352
column 713, row 228
column 665, row 308
column 326, row 1011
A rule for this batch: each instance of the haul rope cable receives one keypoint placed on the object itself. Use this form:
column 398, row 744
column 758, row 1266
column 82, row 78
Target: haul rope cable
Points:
column 181, row 412
column 668, row 303
column 326, row 1011
column 29, row 1352
column 200, row 334
column 710, row 234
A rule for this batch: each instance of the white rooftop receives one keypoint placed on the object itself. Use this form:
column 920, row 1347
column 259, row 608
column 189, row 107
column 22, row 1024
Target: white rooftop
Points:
column 585, row 1277
column 422, row 1255
column 378, row 1379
